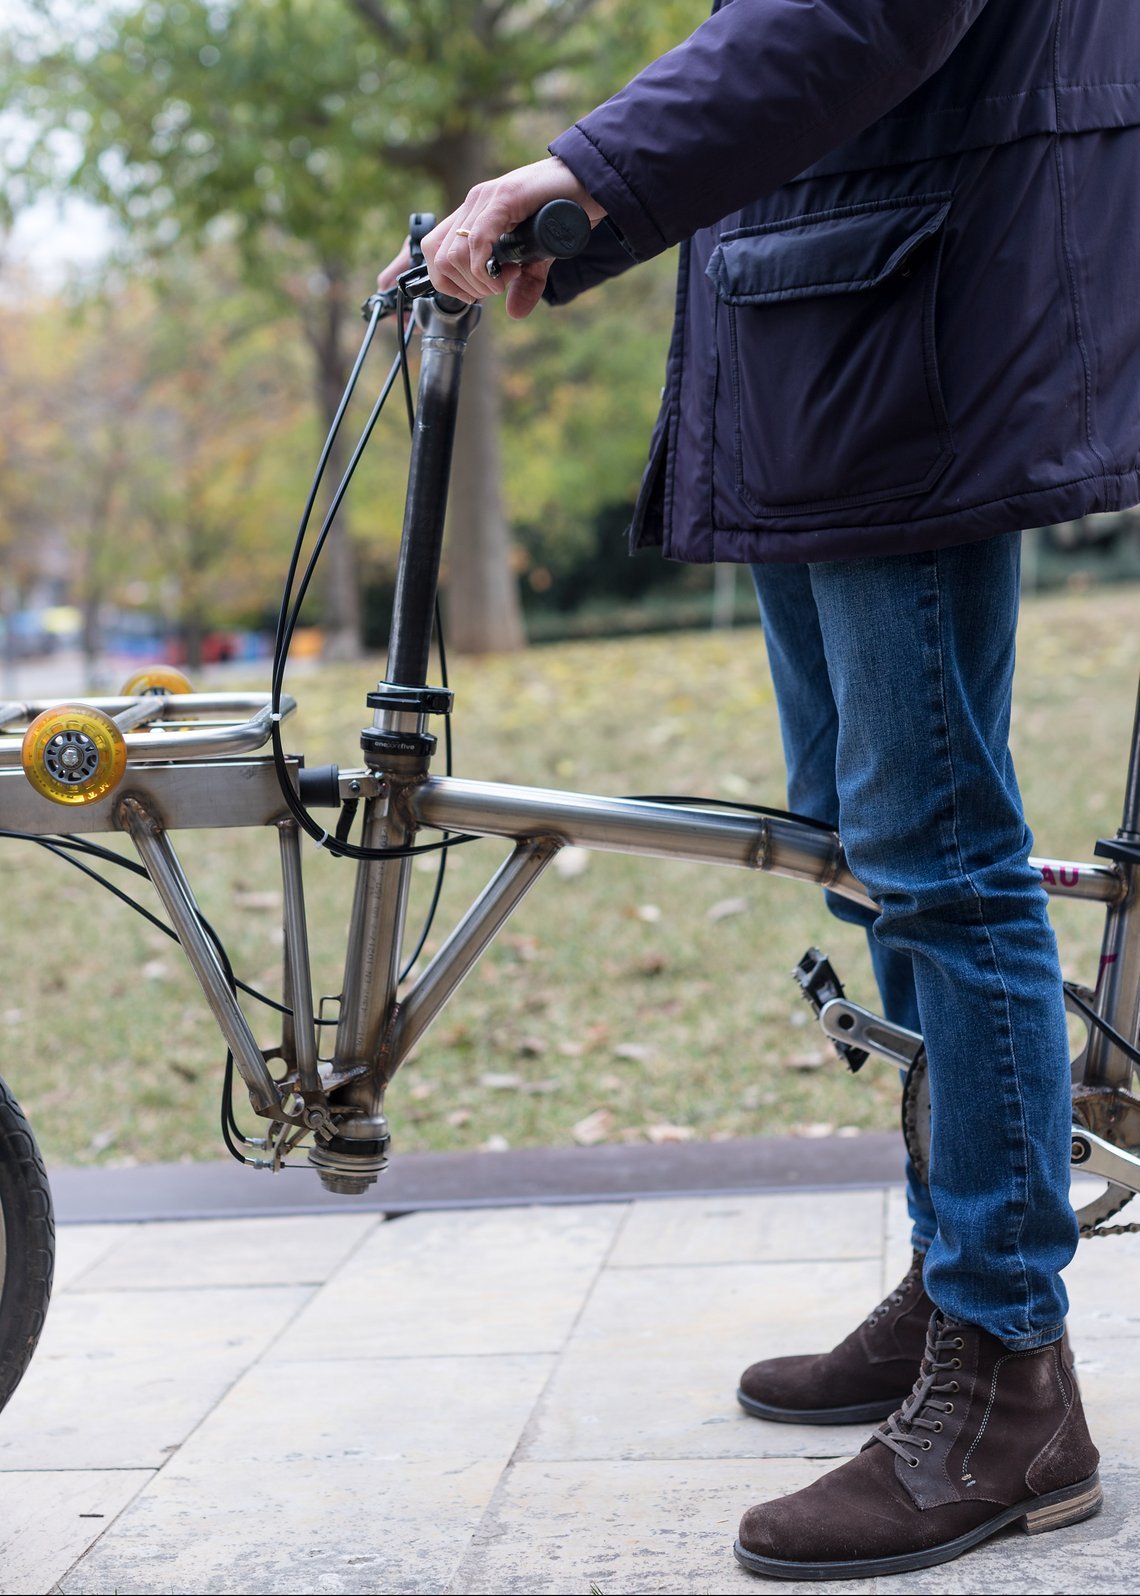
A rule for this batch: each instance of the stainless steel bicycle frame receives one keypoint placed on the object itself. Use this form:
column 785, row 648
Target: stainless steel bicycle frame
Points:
column 201, row 769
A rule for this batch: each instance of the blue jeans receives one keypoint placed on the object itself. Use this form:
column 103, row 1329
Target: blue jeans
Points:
column 893, row 678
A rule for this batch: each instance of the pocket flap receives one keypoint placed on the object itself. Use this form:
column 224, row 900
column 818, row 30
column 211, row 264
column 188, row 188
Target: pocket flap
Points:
column 829, row 252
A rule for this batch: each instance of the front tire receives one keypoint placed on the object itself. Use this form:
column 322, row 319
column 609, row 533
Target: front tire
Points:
column 27, row 1243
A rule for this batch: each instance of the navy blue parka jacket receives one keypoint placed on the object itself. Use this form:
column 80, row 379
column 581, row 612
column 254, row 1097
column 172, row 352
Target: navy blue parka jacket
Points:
column 909, row 297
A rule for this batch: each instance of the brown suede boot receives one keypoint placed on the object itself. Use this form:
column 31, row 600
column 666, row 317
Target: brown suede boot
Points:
column 988, row 1437
column 863, row 1379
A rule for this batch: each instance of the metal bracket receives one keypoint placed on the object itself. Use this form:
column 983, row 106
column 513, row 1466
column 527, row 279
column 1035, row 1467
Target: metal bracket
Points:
column 1094, row 1156
column 843, row 1021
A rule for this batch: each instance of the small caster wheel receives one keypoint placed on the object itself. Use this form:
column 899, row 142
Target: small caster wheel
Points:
column 156, row 681
column 74, row 754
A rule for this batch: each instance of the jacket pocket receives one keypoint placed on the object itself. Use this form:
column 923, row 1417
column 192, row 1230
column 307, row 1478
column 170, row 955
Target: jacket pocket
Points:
column 826, row 328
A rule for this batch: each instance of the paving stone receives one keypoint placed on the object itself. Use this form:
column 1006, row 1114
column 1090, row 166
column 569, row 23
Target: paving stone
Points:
column 297, row 1250
column 509, row 1280
column 79, row 1248
column 636, row 1527
column 121, row 1378
column 718, row 1230
column 355, row 1529
column 652, row 1367
column 389, row 1411
column 48, row 1520
column 343, row 1476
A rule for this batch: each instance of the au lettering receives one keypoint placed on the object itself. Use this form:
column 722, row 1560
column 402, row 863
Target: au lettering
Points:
column 1063, row 876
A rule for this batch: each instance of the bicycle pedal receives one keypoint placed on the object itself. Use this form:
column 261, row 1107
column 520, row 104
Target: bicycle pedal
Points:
column 819, row 984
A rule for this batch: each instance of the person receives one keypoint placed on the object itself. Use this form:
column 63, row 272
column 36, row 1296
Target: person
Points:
column 906, row 327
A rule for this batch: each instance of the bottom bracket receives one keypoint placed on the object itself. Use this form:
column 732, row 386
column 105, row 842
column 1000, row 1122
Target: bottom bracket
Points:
column 349, row 1167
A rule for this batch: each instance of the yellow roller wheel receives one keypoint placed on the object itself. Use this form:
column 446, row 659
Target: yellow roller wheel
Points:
column 156, row 681
column 74, row 754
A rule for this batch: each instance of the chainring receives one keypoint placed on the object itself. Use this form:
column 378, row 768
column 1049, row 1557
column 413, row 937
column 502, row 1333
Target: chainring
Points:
column 916, row 1134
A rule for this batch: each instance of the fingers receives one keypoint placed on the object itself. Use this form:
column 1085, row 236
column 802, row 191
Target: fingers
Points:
column 401, row 264
column 457, row 251
column 524, row 293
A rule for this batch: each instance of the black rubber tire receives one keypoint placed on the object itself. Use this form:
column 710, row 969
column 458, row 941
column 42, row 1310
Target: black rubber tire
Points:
column 27, row 1244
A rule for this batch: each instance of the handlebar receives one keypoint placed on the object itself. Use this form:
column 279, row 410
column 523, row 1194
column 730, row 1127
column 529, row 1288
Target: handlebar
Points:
column 558, row 231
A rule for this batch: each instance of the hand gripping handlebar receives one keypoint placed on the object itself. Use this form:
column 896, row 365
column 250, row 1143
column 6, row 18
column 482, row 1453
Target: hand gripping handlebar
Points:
column 558, row 231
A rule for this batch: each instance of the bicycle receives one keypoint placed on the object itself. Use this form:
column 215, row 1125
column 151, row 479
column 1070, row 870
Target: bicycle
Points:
column 159, row 758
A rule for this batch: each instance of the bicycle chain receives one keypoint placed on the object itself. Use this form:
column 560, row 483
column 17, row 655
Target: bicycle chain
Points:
column 1089, row 1231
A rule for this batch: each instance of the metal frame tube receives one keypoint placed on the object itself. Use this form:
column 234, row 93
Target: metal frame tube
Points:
column 465, row 945
column 372, row 961
column 165, row 871
column 443, row 345
column 300, row 982
column 624, row 825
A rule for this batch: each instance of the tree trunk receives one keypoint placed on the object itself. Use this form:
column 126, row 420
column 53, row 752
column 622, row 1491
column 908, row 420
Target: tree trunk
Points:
column 481, row 596
column 341, row 610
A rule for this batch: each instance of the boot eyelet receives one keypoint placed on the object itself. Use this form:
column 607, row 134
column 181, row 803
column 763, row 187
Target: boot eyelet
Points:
column 938, row 1424
column 954, row 1386
column 959, row 1343
column 913, row 1462
column 949, row 1408
column 955, row 1363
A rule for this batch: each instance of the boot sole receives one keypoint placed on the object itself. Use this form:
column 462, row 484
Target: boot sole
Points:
column 861, row 1413
column 1040, row 1513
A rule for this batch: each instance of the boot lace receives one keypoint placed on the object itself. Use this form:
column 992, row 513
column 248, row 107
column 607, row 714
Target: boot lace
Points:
column 932, row 1394
column 897, row 1297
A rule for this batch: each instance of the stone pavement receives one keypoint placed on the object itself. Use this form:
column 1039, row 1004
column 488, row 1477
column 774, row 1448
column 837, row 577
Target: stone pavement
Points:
column 518, row 1399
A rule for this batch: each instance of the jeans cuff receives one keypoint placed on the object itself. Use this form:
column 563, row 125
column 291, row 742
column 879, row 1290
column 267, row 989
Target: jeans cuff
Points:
column 1040, row 1338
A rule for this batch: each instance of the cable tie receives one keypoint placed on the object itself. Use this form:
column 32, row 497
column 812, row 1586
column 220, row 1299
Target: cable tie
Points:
column 320, row 841
column 275, row 714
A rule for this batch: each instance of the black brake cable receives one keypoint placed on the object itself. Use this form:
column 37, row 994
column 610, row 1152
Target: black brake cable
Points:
column 288, row 614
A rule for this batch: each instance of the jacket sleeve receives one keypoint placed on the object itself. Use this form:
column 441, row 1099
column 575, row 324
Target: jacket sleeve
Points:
column 605, row 256
column 756, row 95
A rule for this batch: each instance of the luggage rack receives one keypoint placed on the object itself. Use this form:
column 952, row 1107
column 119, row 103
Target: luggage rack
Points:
column 65, row 763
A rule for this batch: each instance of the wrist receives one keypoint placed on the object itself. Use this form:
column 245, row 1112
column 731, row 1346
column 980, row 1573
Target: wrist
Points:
column 576, row 191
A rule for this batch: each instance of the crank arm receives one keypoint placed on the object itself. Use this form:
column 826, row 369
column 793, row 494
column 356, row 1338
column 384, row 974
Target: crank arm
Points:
column 1094, row 1156
column 847, row 1022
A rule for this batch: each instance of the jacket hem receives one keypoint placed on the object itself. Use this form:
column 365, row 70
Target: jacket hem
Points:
column 1066, row 501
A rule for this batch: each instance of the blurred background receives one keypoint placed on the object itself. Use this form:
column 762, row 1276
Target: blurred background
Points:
column 196, row 197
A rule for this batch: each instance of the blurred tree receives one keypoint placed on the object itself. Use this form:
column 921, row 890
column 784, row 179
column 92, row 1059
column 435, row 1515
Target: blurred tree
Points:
column 296, row 126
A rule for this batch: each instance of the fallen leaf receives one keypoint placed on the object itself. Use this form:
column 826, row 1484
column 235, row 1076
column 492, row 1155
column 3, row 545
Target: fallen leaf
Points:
column 495, row 1144
column 634, row 1050
column 649, row 912
column 814, row 1129
column 594, row 1128
column 155, row 970
column 530, row 1046
column 726, row 907
column 669, row 1133
column 652, row 964
column 571, row 862
column 420, row 1090
column 263, row 901
column 571, row 1049
column 495, row 1082
column 848, row 1130
column 805, row 1061
column 537, row 1088
column 459, row 1116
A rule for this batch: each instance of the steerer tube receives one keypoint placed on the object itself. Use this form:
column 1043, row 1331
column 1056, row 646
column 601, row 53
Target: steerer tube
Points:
column 443, row 345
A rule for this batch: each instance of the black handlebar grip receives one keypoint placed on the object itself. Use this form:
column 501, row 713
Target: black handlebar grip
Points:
column 558, row 231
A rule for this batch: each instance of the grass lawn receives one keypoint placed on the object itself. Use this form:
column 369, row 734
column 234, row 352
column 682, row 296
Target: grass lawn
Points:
column 648, row 999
